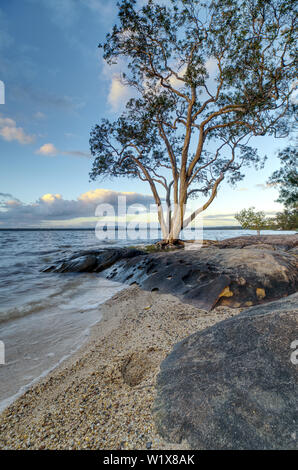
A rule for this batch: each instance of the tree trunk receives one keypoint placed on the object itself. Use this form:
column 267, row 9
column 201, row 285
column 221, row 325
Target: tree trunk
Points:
column 175, row 225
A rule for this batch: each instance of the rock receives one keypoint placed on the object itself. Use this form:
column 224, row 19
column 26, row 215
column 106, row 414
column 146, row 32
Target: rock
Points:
column 282, row 242
column 288, row 304
column 212, row 276
column 93, row 261
column 233, row 385
column 294, row 251
column 84, row 263
column 260, row 246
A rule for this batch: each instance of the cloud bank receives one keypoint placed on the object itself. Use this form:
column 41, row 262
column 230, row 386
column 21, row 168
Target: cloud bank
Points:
column 53, row 209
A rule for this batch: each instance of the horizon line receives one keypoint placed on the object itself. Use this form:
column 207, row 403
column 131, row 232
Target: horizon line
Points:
column 213, row 227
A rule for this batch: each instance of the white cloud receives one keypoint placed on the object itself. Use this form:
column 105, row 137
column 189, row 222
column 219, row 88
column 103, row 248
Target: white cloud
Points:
column 118, row 94
column 110, row 197
column 10, row 132
column 49, row 150
column 49, row 198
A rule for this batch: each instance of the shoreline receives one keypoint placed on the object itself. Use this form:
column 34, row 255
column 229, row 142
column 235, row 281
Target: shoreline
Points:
column 101, row 396
column 37, row 343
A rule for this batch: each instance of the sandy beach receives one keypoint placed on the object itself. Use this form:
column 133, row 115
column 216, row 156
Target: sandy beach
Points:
column 101, row 397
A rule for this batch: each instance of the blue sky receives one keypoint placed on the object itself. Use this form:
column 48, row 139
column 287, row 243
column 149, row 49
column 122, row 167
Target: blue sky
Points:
column 57, row 87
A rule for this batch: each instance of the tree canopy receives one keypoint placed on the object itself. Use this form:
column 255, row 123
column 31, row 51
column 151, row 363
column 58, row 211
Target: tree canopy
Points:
column 251, row 219
column 286, row 178
column 286, row 220
column 207, row 76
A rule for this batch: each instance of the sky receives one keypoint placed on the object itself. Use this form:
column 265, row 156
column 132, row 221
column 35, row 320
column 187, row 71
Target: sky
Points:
column 57, row 87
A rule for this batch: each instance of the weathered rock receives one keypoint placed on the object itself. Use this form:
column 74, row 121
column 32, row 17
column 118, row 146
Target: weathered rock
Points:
column 212, row 276
column 260, row 246
column 282, row 242
column 203, row 277
column 233, row 386
column 93, row 261
column 82, row 263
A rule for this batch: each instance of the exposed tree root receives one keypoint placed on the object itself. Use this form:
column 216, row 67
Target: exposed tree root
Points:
column 170, row 244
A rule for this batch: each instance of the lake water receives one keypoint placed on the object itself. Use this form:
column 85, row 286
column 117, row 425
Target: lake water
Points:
column 45, row 317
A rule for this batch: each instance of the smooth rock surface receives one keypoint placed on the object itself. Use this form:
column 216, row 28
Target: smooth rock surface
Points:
column 233, row 385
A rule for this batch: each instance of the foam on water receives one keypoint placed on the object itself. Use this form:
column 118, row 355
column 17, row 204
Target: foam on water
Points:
column 36, row 343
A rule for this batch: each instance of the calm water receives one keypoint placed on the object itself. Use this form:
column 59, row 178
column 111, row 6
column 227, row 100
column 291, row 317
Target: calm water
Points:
column 46, row 317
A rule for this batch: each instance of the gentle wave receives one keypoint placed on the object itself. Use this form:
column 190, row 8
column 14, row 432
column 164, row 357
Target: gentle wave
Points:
column 23, row 310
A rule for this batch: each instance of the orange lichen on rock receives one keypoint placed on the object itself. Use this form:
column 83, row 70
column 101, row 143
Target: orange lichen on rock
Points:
column 261, row 294
column 226, row 293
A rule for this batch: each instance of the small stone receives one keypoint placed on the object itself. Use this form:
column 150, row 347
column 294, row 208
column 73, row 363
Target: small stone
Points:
column 148, row 445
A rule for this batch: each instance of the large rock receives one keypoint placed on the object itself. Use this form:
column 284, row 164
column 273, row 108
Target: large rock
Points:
column 280, row 242
column 233, row 386
column 92, row 261
column 213, row 276
column 235, row 277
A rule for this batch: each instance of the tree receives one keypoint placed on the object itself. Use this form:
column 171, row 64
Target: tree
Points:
column 287, row 177
column 287, row 220
column 252, row 220
column 207, row 77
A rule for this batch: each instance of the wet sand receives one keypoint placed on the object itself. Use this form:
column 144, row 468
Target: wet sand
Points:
column 101, row 397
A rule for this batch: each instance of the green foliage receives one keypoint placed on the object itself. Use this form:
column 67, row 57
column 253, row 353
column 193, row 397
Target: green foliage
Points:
column 287, row 177
column 252, row 220
column 286, row 220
